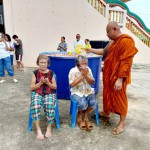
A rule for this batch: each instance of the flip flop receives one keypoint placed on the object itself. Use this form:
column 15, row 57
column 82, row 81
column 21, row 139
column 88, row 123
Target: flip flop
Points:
column 89, row 125
column 117, row 131
column 82, row 125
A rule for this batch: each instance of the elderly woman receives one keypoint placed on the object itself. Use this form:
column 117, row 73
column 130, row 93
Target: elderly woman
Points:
column 80, row 79
column 43, row 87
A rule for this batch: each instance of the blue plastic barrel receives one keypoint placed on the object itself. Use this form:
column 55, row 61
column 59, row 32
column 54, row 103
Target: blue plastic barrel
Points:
column 61, row 67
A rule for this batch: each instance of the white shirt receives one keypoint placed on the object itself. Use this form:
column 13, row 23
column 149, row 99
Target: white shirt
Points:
column 3, row 52
column 83, row 88
column 80, row 42
column 11, row 45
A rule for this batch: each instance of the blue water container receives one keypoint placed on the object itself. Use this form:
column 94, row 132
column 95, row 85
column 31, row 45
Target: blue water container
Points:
column 61, row 67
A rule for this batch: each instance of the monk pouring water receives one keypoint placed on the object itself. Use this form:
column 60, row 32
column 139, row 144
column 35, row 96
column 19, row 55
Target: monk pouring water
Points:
column 116, row 73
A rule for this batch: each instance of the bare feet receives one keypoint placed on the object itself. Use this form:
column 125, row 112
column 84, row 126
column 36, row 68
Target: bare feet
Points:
column 48, row 133
column 40, row 136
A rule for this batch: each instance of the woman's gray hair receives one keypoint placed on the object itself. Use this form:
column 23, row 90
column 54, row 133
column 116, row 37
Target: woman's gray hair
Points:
column 79, row 59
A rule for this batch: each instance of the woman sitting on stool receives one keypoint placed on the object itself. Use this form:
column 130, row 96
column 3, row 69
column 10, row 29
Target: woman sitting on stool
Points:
column 43, row 87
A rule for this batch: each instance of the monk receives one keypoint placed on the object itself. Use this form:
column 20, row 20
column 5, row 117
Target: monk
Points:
column 116, row 73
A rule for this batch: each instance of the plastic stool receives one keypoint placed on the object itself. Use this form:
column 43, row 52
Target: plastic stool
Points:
column 56, row 118
column 74, row 109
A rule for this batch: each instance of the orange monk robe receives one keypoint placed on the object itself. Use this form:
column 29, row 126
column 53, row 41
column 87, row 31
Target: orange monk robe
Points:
column 117, row 64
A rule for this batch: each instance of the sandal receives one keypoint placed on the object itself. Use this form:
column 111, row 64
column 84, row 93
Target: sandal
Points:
column 82, row 125
column 117, row 131
column 89, row 125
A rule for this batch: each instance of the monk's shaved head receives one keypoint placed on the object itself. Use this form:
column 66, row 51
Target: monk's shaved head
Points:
column 113, row 24
column 113, row 30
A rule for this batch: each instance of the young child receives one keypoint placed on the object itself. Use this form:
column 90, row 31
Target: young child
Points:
column 43, row 87
column 18, row 52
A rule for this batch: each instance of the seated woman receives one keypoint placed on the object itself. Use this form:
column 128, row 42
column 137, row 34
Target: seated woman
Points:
column 80, row 78
column 43, row 87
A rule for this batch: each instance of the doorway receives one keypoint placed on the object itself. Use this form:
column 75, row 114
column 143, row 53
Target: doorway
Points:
column 2, row 27
column 99, row 44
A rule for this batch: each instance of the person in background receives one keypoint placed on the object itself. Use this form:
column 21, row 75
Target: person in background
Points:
column 62, row 47
column 19, row 52
column 1, row 34
column 5, row 61
column 8, row 39
column 87, row 43
column 119, row 54
column 43, row 87
column 80, row 80
column 78, row 41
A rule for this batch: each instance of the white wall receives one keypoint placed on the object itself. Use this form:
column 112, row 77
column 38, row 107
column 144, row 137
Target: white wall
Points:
column 143, row 55
column 41, row 23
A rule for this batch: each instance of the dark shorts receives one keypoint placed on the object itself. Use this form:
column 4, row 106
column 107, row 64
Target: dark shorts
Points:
column 19, row 58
